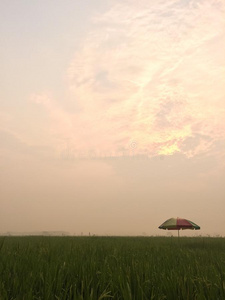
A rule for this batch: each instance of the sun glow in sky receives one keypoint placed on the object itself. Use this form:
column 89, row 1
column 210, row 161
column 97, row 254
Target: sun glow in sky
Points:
column 112, row 115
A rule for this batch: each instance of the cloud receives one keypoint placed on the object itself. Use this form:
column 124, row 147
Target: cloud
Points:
column 149, row 73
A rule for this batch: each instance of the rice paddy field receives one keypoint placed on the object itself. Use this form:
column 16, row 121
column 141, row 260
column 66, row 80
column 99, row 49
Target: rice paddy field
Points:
column 112, row 268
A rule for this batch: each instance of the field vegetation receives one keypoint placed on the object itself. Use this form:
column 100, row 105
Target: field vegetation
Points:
column 64, row 268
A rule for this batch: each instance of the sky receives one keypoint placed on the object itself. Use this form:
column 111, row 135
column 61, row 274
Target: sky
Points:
column 112, row 116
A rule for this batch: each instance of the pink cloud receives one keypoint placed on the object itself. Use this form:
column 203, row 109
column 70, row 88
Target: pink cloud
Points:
column 147, row 73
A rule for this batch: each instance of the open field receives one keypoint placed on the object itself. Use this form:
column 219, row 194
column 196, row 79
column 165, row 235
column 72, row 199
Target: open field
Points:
column 112, row 267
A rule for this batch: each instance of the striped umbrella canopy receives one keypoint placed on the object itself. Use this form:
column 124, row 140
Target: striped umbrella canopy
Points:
column 178, row 223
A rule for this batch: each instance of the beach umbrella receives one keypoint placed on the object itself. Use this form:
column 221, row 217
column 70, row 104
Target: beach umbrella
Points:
column 177, row 224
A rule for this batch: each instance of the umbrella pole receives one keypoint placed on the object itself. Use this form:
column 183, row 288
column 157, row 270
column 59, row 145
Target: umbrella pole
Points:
column 178, row 231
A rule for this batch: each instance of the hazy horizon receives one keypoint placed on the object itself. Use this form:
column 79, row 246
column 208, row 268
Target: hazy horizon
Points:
column 112, row 116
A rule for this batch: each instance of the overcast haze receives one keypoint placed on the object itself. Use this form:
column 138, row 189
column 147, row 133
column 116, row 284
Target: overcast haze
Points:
column 112, row 116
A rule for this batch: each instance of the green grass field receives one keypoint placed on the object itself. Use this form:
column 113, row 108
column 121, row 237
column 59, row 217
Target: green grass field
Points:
column 112, row 267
